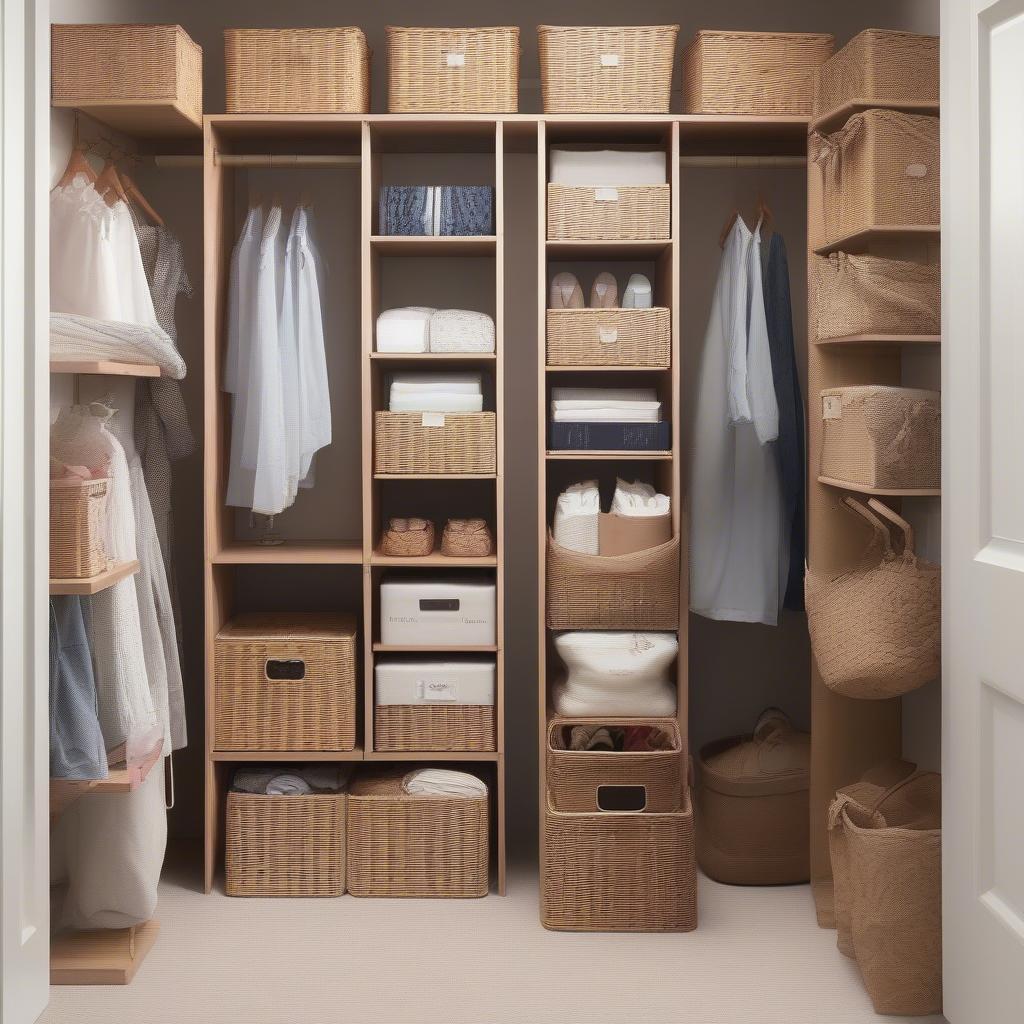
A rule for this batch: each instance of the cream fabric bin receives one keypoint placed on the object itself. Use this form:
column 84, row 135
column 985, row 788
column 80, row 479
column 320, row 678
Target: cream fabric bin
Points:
column 441, row 611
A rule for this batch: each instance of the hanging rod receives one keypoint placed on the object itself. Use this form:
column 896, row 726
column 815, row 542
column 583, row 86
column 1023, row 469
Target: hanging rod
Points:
column 743, row 161
column 285, row 160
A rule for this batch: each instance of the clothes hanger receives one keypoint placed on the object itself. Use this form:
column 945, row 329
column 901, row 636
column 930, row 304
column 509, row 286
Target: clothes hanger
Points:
column 110, row 185
column 140, row 200
column 77, row 161
column 724, row 236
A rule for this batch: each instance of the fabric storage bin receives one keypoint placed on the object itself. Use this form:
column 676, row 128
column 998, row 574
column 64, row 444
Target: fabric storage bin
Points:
column 454, row 610
column 284, row 845
column 461, row 330
column 619, row 871
column 406, row 845
column 467, row 538
column 296, row 71
column 624, row 535
column 436, row 210
column 871, row 295
column 78, row 510
column 885, row 437
column 407, row 538
column 453, row 70
column 635, row 591
column 442, row 443
column 580, row 212
column 606, row 69
column 104, row 68
column 404, row 329
column 608, row 436
column 609, row 337
column 752, row 72
column 285, row 681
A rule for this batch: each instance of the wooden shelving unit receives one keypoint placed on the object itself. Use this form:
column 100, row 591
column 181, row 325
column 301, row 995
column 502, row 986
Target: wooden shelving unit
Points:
column 104, row 367
column 108, row 956
column 879, row 341
column 94, row 584
column 866, row 239
column 126, row 779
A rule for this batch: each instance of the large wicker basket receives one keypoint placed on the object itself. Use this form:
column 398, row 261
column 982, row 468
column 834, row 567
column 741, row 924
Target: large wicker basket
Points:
column 626, row 872
column 606, row 69
column 453, row 70
column 77, row 520
column 609, row 337
column 285, row 681
column 630, row 211
column 284, row 845
column 429, row 727
column 442, row 443
column 752, row 72
column 414, row 845
column 296, row 70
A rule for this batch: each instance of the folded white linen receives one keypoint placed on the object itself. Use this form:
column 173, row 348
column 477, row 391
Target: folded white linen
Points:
column 434, row 401
column 608, row 167
column 467, row 382
column 646, row 412
column 647, row 702
column 461, row 330
column 598, row 398
column 83, row 337
column 404, row 329
column 638, row 499
column 443, row 782
column 577, row 517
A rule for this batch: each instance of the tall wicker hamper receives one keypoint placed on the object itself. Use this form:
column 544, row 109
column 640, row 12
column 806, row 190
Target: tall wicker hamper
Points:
column 77, row 516
column 626, row 212
column 285, row 681
column 284, row 845
column 609, row 337
column 414, row 442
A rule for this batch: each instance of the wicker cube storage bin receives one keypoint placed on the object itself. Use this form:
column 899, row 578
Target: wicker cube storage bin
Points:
column 619, row 872
column 884, row 437
column 752, row 72
column 415, row 845
column 284, row 845
column 78, row 511
column 606, row 69
column 453, row 70
column 296, row 71
column 470, row 727
column 628, row 212
column 414, row 442
column 609, row 337
column 285, row 681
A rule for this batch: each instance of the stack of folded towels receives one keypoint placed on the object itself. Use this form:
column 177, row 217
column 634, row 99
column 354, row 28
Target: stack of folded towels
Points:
column 579, row 524
column 613, row 419
column 292, row 780
column 436, row 392
column 425, row 329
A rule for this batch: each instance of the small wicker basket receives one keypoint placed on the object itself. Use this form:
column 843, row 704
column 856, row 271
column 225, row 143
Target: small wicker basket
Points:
column 407, row 538
column 467, row 538
column 77, row 520
column 609, row 337
column 430, row 727
column 428, row 443
column 629, row 212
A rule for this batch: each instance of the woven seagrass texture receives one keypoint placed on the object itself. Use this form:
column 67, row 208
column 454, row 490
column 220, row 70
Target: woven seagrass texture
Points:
column 407, row 538
column 606, row 69
column 609, row 337
column 752, row 72
column 253, row 711
column 573, row 776
column 284, row 845
column 619, row 872
column 453, row 70
column 871, row 295
column 467, row 538
column 127, row 64
column 426, row 727
column 881, row 68
column 296, row 70
column 415, row 845
column 466, row 443
column 635, row 212
column 77, row 516
column 635, row 591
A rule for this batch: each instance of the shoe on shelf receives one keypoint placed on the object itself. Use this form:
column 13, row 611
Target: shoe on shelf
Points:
column 566, row 292
column 605, row 292
column 639, row 294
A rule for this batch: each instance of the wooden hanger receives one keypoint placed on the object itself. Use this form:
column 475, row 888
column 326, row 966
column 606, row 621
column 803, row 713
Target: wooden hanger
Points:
column 77, row 164
column 140, row 200
column 724, row 236
column 109, row 184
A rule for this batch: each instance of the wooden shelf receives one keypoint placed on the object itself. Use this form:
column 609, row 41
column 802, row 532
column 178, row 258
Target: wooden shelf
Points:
column 838, row 116
column 432, row 755
column 606, row 369
column 107, row 956
column 380, row 648
column 607, row 249
column 64, row 792
column 858, row 241
column 94, row 584
column 255, row 756
column 435, row 476
column 432, row 357
column 291, row 552
column 434, row 245
column 880, row 340
column 434, row 560
column 608, row 455
column 890, row 492
column 106, row 367
column 141, row 119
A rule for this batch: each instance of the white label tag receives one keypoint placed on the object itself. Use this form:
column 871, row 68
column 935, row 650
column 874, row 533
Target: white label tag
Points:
column 916, row 170
column 456, row 60
column 608, row 335
column 436, row 690
column 433, row 419
column 609, row 60
column 831, row 407
column 606, row 195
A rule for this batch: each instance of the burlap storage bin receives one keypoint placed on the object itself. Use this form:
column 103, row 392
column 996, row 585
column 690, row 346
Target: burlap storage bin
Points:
column 285, row 681
column 752, row 72
column 606, row 69
column 619, row 872
column 78, row 510
column 407, row 538
column 635, row 591
column 427, row 727
column 576, row 777
column 876, row 630
column 628, row 212
column 871, row 295
column 609, row 337
column 443, row 443
column 414, row 845
column 284, row 845
column 296, row 71
column 467, row 538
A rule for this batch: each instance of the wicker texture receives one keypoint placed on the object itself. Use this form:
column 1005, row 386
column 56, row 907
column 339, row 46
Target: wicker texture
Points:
column 453, row 70
column 574, row 776
column 407, row 538
column 466, row 442
column 635, row 212
column 879, row 436
column 619, row 871
column 635, row 591
column 127, row 64
column 284, row 845
column 871, row 295
column 296, row 71
column 752, row 72
column 77, row 523
column 252, row 711
column 467, row 538
column 606, row 69
column 609, row 337
column 415, row 846
column 429, row 727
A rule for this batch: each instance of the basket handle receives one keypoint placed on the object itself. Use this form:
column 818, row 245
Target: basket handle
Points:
column 896, row 787
column 908, row 531
column 620, row 799
column 880, row 529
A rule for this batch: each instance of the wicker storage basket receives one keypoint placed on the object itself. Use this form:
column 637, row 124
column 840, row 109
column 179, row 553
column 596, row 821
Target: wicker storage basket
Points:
column 635, row 591
column 77, row 524
column 414, row 442
column 879, row 68
column 467, row 538
column 415, row 845
column 883, row 437
column 117, row 66
column 296, row 71
column 453, row 70
column 606, row 69
column 609, row 337
column 575, row 777
column 622, row 872
column 881, row 169
column 871, row 295
column 285, row 681
column 752, row 72
column 284, row 845
column 418, row 727
column 632, row 211
column 407, row 538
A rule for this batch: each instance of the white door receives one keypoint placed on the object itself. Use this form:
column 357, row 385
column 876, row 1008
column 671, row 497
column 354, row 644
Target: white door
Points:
column 983, row 509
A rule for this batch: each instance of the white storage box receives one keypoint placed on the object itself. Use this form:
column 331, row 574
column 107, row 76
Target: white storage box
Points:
column 430, row 681
column 612, row 167
column 434, row 612
column 404, row 329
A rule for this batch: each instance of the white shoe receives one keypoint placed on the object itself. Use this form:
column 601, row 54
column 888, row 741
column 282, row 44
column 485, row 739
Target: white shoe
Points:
column 566, row 292
column 639, row 293
column 605, row 292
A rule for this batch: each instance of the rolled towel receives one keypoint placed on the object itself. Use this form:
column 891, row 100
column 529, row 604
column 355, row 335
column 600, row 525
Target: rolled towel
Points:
column 638, row 499
column 288, row 784
column 292, row 780
column 576, row 525
column 443, row 782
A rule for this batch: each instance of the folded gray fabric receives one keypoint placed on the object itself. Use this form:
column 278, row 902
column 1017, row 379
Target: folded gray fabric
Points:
column 466, row 210
column 291, row 780
column 406, row 210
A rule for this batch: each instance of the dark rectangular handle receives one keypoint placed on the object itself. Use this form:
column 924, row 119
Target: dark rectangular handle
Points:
column 285, row 669
column 621, row 799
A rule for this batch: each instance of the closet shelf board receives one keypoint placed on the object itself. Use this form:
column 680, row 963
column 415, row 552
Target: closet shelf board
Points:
column 891, row 492
column 107, row 368
column 861, row 240
column 880, row 340
column 742, row 134
column 141, row 119
column 94, row 584
column 432, row 357
column 606, row 249
column 626, row 456
column 356, row 754
column 838, row 116
column 434, row 245
column 64, row 792
column 432, row 755
column 606, row 369
column 434, row 560
column 293, row 552
column 435, row 476
column 107, row 956
column 380, row 648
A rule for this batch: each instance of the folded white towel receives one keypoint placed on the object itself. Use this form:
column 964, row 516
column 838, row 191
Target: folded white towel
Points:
column 599, row 397
column 404, row 329
column 608, row 167
column 467, row 383
column 639, row 499
column 443, row 782
column 649, row 702
column 622, row 412
column 434, row 401
column 461, row 330
column 577, row 516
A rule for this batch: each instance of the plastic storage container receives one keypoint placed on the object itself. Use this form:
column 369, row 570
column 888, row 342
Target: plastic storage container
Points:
column 443, row 611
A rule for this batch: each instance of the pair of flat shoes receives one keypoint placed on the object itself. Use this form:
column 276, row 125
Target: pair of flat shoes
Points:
column 567, row 293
